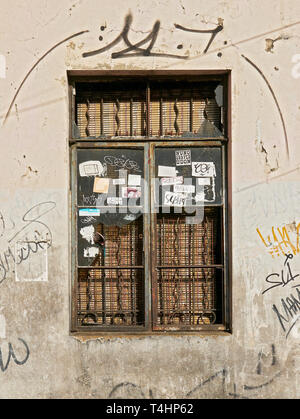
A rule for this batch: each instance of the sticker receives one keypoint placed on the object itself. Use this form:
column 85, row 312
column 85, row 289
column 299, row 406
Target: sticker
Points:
column 101, row 185
column 172, row 180
column 131, row 192
column 175, row 199
column 90, row 252
column 167, row 171
column 122, row 173
column 87, row 233
column 183, row 157
column 204, row 181
column 119, row 181
column 89, row 212
column 129, row 217
column 134, row 180
column 91, row 168
column 112, row 200
column 184, row 188
column 203, row 169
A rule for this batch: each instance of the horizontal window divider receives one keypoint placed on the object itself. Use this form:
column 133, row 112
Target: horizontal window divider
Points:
column 173, row 138
column 189, row 266
column 112, row 267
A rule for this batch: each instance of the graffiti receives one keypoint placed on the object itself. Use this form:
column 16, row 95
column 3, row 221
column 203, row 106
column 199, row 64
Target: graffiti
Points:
column 123, row 163
column 287, row 312
column 286, row 276
column 267, row 364
column 290, row 306
column 213, row 32
column 89, row 200
column 274, row 98
column 33, row 236
column 34, row 66
column 12, row 355
column 279, row 241
column 135, row 50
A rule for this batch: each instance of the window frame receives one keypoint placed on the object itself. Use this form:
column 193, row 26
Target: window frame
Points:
column 149, row 144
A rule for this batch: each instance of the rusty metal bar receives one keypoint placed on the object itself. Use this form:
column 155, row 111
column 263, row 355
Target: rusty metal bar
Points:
column 189, row 266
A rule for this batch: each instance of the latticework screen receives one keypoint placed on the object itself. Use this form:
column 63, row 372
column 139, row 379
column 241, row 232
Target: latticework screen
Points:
column 122, row 110
column 111, row 293
column 186, row 284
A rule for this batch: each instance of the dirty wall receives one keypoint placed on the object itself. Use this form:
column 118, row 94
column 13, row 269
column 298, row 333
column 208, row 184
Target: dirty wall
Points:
column 259, row 43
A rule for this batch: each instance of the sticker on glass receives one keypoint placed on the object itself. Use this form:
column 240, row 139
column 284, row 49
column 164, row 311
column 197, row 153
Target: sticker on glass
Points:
column 89, row 212
column 183, row 157
column 203, row 169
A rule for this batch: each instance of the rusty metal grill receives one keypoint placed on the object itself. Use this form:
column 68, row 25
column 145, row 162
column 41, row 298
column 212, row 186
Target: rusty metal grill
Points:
column 156, row 110
column 188, row 267
column 111, row 293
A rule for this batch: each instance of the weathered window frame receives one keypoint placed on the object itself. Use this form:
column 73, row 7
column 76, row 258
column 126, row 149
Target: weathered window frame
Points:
column 148, row 144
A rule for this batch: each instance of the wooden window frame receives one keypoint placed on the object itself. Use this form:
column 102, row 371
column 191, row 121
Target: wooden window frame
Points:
column 148, row 143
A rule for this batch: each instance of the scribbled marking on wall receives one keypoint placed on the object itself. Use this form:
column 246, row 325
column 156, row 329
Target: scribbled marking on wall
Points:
column 2, row 67
column 282, row 240
column 2, row 325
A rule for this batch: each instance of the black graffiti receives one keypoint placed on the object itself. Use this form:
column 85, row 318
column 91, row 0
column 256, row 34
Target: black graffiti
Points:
column 213, row 32
column 123, row 163
column 134, row 391
column 38, row 237
column 290, row 309
column 286, row 276
column 11, row 355
column 222, row 373
column 134, row 50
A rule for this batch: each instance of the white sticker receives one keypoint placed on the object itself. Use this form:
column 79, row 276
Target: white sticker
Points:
column 131, row 192
column 134, row 180
column 91, row 168
column 120, row 181
column 204, row 181
column 87, row 233
column 89, row 212
column 167, row 171
column 112, row 200
column 184, row 188
column 203, row 169
column 183, row 157
column 90, row 252
column 129, row 217
column 172, row 180
column 175, row 199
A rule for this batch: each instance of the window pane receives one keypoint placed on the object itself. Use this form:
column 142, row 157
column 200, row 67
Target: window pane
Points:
column 110, row 196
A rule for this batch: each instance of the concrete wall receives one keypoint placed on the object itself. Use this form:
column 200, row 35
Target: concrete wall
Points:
column 38, row 357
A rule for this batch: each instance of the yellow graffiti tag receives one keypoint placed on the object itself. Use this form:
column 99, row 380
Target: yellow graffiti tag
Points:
column 279, row 241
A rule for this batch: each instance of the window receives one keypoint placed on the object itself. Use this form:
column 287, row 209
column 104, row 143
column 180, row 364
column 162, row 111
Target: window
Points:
column 150, row 162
